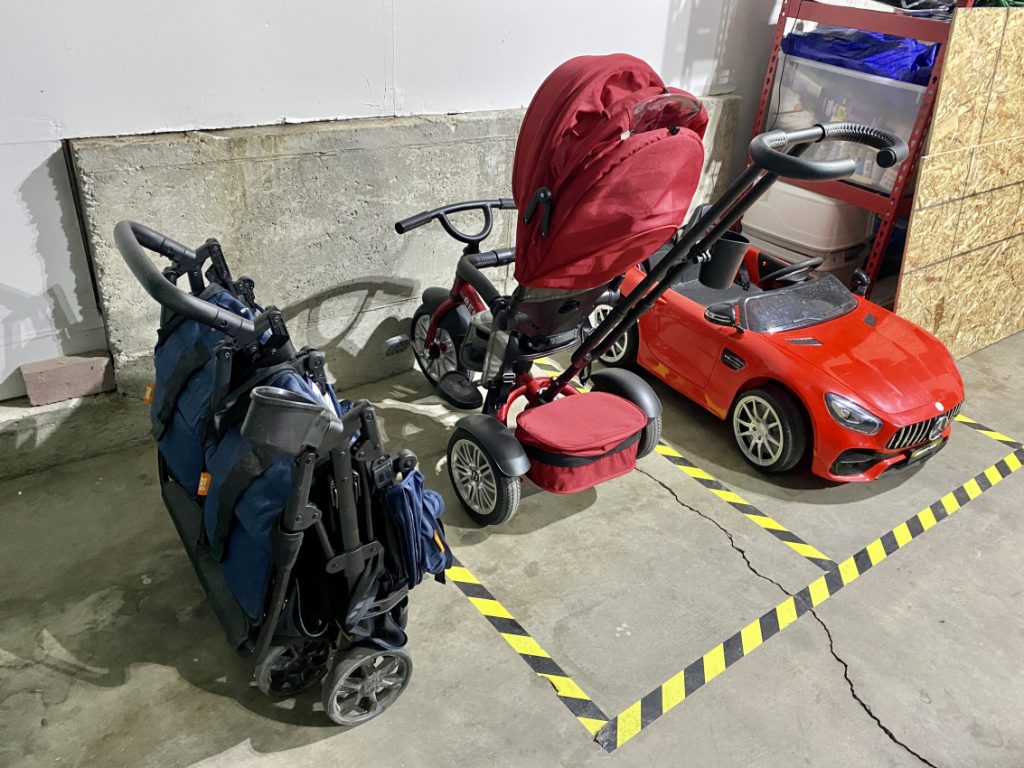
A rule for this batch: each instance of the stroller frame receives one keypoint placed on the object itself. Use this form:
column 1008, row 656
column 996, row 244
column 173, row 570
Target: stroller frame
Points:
column 707, row 241
column 288, row 656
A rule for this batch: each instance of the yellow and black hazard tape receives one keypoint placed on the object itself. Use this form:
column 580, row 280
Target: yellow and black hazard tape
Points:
column 752, row 513
column 568, row 691
column 729, row 496
column 977, row 426
column 694, row 676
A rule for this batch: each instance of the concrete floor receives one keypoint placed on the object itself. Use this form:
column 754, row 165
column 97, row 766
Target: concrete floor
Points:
column 109, row 655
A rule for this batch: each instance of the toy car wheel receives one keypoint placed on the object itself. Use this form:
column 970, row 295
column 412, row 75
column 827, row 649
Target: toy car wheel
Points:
column 649, row 437
column 443, row 355
column 288, row 670
column 622, row 353
column 364, row 682
column 489, row 497
column 769, row 429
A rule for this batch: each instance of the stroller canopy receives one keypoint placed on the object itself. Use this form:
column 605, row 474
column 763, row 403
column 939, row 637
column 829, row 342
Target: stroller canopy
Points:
column 606, row 164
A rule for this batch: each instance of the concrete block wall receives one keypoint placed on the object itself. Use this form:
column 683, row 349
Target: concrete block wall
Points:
column 308, row 212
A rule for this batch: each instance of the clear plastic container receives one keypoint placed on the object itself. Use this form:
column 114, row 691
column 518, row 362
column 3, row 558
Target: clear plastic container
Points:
column 809, row 92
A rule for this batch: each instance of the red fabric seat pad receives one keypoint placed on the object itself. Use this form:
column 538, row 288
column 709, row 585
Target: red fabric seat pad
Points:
column 616, row 196
column 586, row 429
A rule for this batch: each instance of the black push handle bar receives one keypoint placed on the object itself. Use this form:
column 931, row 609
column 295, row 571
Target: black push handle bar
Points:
column 132, row 238
column 469, row 267
column 768, row 150
column 442, row 213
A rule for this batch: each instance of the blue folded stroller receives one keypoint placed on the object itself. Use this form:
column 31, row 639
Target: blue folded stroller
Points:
column 305, row 534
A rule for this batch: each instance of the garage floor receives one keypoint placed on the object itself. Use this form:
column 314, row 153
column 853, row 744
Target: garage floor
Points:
column 647, row 595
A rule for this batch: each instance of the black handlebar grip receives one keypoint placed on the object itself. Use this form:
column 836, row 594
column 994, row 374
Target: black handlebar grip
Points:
column 130, row 239
column 891, row 148
column 418, row 220
column 768, row 150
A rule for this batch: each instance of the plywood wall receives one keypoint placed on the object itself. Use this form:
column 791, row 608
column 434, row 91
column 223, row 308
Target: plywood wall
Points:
column 963, row 267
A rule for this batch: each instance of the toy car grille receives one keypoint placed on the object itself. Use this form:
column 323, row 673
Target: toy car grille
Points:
column 921, row 431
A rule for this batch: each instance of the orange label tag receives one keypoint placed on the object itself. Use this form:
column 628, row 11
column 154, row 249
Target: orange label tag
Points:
column 437, row 540
column 147, row 397
column 204, row 484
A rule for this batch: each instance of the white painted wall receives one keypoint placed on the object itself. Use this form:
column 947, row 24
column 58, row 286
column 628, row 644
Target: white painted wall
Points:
column 74, row 69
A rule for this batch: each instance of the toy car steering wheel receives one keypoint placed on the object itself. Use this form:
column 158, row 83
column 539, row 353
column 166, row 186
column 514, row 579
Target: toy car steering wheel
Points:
column 805, row 266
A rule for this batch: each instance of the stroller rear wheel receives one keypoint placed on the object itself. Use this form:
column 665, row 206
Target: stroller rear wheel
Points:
column 364, row 682
column 443, row 355
column 488, row 496
column 288, row 670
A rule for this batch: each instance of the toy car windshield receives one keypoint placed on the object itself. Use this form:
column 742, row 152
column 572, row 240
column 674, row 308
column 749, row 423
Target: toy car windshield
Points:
column 798, row 306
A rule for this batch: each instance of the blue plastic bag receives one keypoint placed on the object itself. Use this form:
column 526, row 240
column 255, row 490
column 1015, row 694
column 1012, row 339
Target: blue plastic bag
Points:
column 874, row 53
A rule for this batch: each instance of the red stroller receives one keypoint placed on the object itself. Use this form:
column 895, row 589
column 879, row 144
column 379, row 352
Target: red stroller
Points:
column 607, row 161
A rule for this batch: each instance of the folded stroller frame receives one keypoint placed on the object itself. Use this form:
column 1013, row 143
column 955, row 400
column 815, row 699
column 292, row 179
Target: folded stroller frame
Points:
column 305, row 534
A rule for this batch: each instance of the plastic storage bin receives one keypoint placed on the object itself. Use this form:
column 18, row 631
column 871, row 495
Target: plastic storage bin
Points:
column 807, row 222
column 810, row 92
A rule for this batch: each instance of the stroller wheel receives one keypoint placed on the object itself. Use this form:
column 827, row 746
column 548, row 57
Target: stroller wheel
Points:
column 443, row 356
column 489, row 497
column 288, row 670
column 649, row 437
column 364, row 682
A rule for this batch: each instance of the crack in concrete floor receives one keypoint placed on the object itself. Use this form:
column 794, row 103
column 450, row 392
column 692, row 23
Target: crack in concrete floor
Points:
column 831, row 643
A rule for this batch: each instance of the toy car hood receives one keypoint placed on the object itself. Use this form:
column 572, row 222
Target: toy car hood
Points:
column 890, row 364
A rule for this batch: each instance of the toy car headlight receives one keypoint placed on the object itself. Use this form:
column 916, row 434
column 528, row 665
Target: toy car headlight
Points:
column 852, row 416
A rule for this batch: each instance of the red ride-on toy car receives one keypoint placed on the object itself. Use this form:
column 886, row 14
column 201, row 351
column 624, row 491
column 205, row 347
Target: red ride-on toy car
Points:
column 606, row 164
column 796, row 362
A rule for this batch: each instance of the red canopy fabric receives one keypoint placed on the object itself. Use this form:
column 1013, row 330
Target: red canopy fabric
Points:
column 621, row 175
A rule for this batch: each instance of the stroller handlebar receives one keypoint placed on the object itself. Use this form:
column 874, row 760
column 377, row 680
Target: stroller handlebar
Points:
column 131, row 238
column 772, row 150
column 442, row 213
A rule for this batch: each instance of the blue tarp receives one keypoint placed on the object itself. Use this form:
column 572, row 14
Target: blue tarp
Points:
column 874, row 53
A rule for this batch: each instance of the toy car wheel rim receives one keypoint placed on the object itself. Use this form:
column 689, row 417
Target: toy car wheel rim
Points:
column 445, row 360
column 618, row 350
column 365, row 684
column 758, row 430
column 474, row 477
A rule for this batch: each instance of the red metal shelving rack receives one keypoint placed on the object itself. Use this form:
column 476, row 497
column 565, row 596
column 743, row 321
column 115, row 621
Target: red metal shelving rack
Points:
column 897, row 203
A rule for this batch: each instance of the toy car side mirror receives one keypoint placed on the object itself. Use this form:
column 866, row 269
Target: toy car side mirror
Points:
column 722, row 314
column 861, row 281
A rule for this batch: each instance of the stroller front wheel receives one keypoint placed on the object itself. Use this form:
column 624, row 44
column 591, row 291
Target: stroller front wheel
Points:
column 364, row 682
column 488, row 496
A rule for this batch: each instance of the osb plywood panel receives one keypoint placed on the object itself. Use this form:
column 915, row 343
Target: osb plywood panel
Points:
column 963, row 266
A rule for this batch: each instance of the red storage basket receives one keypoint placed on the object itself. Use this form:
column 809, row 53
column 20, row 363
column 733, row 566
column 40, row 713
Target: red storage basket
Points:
column 578, row 441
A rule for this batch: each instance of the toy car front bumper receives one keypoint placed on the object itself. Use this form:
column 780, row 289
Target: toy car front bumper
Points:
column 863, row 464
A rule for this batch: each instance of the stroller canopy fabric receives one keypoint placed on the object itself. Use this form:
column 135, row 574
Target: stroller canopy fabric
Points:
column 620, row 154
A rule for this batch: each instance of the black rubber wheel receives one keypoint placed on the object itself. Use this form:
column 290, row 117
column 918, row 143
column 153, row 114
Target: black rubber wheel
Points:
column 443, row 357
column 290, row 669
column 488, row 496
column 623, row 352
column 768, row 426
column 364, row 682
column 649, row 437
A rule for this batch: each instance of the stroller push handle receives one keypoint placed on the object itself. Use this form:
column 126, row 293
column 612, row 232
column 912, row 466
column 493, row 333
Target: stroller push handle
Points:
column 769, row 150
column 442, row 213
column 131, row 238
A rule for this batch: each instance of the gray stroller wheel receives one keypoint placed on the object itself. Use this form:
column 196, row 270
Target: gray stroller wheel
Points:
column 364, row 682
column 288, row 670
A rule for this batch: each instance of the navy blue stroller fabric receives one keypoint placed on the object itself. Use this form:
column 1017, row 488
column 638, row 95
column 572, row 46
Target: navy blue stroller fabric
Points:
column 416, row 514
column 874, row 53
column 181, row 426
